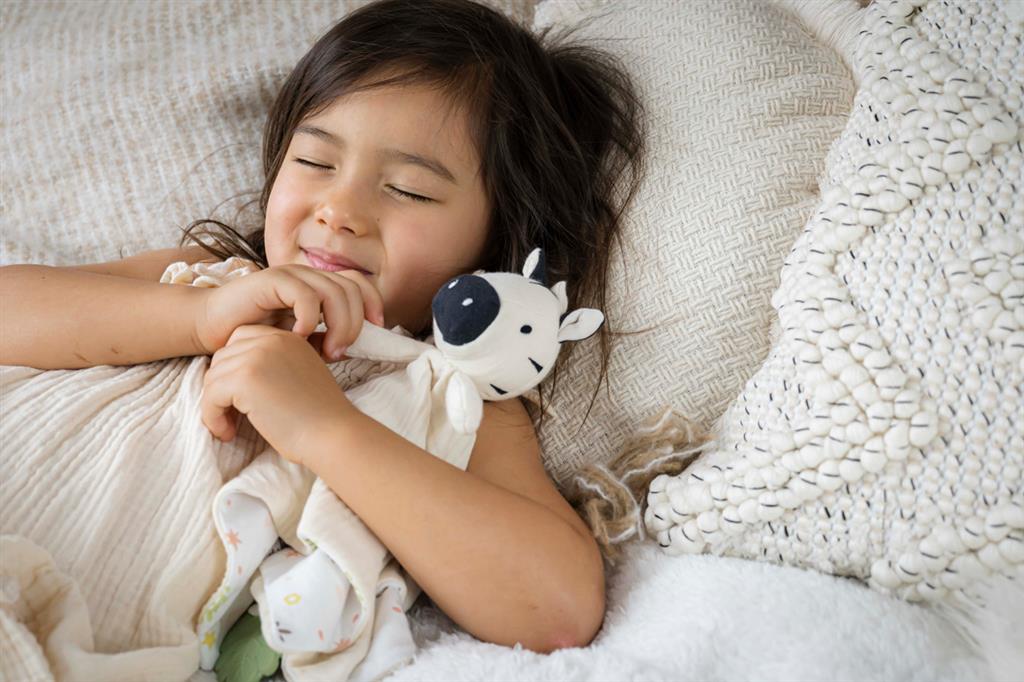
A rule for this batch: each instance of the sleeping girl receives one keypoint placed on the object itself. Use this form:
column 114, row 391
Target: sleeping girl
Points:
column 415, row 141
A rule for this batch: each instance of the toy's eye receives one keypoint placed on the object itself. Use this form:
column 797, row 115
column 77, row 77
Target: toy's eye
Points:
column 526, row 329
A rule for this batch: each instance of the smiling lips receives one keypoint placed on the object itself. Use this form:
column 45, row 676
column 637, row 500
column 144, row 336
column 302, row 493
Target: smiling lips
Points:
column 331, row 262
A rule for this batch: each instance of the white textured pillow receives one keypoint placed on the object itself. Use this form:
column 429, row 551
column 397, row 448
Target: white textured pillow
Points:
column 884, row 436
column 743, row 105
column 124, row 121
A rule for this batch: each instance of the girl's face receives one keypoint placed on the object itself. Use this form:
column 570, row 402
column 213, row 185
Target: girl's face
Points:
column 389, row 179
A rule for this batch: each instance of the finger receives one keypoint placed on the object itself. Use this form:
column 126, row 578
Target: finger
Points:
column 357, row 307
column 293, row 291
column 335, row 289
column 373, row 302
column 344, row 308
column 333, row 302
column 338, row 315
column 216, row 406
column 355, row 311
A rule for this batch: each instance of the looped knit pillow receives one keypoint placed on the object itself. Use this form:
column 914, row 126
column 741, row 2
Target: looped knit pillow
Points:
column 883, row 438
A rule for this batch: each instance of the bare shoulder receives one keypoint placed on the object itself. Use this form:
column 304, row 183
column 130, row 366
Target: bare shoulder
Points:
column 148, row 264
column 508, row 454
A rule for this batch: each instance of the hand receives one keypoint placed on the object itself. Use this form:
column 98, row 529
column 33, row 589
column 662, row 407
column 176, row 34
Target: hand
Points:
column 291, row 297
column 277, row 380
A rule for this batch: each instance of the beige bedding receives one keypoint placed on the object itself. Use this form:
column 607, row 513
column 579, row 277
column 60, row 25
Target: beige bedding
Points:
column 104, row 471
column 109, row 549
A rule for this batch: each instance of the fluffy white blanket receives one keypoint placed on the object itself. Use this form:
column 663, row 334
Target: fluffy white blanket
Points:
column 732, row 620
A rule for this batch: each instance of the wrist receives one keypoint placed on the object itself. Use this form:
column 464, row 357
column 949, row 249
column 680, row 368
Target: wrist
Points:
column 333, row 440
column 200, row 322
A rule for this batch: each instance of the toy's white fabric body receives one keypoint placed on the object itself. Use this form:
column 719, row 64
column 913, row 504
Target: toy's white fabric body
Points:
column 335, row 608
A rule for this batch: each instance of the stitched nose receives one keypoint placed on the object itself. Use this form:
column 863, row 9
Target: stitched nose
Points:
column 464, row 308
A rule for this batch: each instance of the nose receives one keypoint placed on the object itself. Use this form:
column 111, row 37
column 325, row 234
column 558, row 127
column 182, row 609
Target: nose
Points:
column 340, row 208
column 464, row 308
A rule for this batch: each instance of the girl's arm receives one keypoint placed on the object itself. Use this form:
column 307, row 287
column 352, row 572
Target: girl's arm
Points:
column 65, row 318
column 496, row 546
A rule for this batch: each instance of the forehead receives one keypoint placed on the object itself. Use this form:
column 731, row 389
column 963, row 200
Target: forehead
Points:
column 414, row 118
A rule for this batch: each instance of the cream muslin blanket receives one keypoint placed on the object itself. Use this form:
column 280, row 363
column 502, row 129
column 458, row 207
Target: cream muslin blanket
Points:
column 108, row 547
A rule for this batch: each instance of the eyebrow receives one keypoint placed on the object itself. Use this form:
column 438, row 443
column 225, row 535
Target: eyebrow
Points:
column 432, row 165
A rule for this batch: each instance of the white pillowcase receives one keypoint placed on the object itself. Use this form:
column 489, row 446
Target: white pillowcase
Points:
column 743, row 105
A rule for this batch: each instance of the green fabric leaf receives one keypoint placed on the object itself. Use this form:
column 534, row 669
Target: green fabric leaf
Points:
column 244, row 655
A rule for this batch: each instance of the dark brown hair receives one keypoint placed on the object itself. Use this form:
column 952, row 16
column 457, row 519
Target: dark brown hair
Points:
column 559, row 128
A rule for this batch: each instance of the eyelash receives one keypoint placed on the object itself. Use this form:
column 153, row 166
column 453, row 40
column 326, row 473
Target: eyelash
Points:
column 395, row 190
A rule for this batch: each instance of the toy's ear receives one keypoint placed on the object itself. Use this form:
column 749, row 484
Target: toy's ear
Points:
column 534, row 268
column 580, row 324
column 464, row 404
column 563, row 301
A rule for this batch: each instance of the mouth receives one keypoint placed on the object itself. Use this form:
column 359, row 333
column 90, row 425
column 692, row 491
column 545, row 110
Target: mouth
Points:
column 329, row 262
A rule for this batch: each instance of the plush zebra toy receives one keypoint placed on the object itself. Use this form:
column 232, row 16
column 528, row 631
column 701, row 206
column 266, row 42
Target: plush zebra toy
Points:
column 496, row 336
column 502, row 331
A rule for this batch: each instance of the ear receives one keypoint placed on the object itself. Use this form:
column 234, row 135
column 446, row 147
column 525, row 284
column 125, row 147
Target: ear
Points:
column 580, row 324
column 563, row 301
column 534, row 268
column 464, row 405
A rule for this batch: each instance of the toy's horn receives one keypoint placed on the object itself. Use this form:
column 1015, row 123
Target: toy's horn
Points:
column 535, row 268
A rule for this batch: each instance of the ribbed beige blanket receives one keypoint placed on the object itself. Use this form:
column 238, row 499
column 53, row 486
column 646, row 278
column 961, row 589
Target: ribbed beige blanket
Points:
column 108, row 547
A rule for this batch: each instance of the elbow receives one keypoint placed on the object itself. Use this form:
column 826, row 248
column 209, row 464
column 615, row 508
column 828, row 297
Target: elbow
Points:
column 593, row 626
column 571, row 605
column 581, row 632
column 586, row 614
column 584, row 632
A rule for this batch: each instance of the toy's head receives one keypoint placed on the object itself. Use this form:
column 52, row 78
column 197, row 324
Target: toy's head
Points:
column 504, row 330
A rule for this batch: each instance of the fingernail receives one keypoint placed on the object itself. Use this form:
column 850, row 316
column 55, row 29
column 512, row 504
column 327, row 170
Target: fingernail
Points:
column 338, row 352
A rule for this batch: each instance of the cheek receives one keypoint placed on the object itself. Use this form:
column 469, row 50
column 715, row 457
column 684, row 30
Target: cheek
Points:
column 286, row 208
column 409, row 272
column 416, row 270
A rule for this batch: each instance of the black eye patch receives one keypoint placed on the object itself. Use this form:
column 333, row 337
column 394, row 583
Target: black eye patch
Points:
column 464, row 308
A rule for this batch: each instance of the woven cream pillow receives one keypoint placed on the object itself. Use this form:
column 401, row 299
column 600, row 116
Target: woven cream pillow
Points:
column 743, row 105
column 124, row 121
column 884, row 436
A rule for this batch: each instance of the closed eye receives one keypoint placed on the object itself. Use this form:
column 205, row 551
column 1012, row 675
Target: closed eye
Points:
column 311, row 164
column 394, row 190
column 408, row 195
